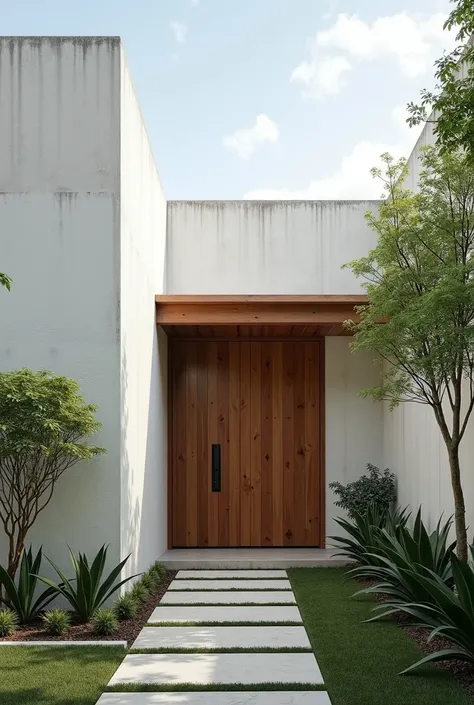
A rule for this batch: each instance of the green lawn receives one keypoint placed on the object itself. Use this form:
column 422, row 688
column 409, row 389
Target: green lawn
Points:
column 55, row 675
column 360, row 662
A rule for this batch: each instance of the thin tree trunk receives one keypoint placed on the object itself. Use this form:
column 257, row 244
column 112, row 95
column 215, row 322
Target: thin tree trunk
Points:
column 459, row 506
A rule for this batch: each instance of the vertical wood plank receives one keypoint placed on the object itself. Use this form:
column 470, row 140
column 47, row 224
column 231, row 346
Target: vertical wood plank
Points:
column 299, row 474
column 245, row 479
column 191, row 445
column 234, row 444
column 223, row 439
column 203, row 452
column 312, row 443
column 288, row 444
column 179, row 446
column 267, row 459
column 213, row 437
column 277, row 444
column 256, row 443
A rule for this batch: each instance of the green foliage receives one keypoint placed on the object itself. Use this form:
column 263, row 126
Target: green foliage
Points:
column 56, row 621
column 125, row 606
column 377, row 488
column 89, row 589
column 8, row 622
column 361, row 532
column 453, row 98
column 449, row 615
column 420, row 285
column 104, row 622
column 21, row 596
column 401, row 556
column 159, row 570
column 140, row 592
column 149, row 580
column 43, row 426
column 5, row 281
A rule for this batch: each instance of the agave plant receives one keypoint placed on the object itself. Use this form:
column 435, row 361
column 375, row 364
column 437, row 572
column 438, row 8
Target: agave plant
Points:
column 398, row 559
column 450, row 614
column 21, row 596
column 88, row 590
column 362, row 531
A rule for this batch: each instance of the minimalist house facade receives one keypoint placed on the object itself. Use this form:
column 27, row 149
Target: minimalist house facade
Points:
column 209, row 333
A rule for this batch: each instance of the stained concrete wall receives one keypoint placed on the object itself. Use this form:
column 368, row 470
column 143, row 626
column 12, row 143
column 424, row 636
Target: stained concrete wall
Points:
column 143, row 351
column 265, row 247
column 59, row 220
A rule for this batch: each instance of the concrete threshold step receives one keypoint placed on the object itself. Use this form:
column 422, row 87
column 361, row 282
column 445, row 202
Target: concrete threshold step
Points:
column 230, row 574
column 231, row 597
column 257, row 614
column 230, row 585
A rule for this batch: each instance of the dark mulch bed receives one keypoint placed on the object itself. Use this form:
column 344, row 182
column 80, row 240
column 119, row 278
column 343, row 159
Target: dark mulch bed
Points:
column 463, row 672
column 128, row 629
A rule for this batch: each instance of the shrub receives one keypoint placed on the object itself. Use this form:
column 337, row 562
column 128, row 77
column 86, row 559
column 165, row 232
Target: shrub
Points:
column 104, row 621
column 361, row 533
column 56, row 621
column 21, row 595
column 140, row 592
column 159, row 570
column 450, row 614
column 376, row 488
column 150, row 581
column 126, row 606
column 399, row 558
column 8, row 622
column 44, row 431
column 88, row 590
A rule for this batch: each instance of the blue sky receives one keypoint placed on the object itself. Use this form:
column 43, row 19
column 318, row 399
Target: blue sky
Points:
column 263, row 98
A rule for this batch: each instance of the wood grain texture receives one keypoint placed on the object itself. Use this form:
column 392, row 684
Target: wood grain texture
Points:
column 262, row 402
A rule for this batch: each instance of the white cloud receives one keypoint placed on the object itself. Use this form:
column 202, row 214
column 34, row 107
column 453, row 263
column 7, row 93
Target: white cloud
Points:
column 413, row 42
column 351, row 179
column 245, row 141
column 180, row 31
column 325, row 78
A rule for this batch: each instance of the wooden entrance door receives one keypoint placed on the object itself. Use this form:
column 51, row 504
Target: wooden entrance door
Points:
column 261, row 403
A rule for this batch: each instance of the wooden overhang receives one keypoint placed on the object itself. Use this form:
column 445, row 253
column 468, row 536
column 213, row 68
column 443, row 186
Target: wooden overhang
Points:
column 242, row 316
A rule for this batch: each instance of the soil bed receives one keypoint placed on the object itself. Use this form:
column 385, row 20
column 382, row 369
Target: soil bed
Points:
column 128, row 629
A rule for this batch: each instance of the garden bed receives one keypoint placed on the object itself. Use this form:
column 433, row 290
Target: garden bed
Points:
column 463, row 672
column 128, row 630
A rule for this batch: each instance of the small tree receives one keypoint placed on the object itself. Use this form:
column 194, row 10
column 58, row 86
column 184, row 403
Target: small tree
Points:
column 43, row 424
column 452, row 100
column 420, row 286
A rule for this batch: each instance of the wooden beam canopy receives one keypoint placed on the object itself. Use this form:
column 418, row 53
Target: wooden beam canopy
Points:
column 256, row 310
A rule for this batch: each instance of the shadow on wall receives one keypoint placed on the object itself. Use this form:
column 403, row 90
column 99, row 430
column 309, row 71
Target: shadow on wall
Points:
column 144, row 458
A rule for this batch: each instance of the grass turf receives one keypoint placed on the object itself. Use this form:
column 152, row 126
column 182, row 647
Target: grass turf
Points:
column 223, row 624
column 56, row 675
column 360, row 662
column 209, row 688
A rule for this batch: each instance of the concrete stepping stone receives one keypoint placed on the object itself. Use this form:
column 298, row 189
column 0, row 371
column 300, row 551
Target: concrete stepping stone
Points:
column 230, row 585
column 235, row 574
column 259, row 613
column 222, row 638
column 228, row 598
column 204, row 669
column 278, row 697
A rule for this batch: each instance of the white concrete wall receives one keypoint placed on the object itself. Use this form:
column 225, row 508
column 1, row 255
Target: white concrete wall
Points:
column 143, row 352
column 59, row 189
column 265, row 247
column 354, row 431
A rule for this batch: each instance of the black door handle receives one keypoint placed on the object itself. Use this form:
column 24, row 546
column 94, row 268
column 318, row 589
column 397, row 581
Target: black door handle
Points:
column 216, row 467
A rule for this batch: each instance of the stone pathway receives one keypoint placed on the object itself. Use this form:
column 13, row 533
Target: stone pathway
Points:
column 248, row 618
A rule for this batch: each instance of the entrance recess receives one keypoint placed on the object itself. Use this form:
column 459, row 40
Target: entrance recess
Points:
column 246, row 416
column 246, row 443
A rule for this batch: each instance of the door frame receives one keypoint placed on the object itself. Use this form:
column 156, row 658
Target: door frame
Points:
column 201, row 317
column 321, row 416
